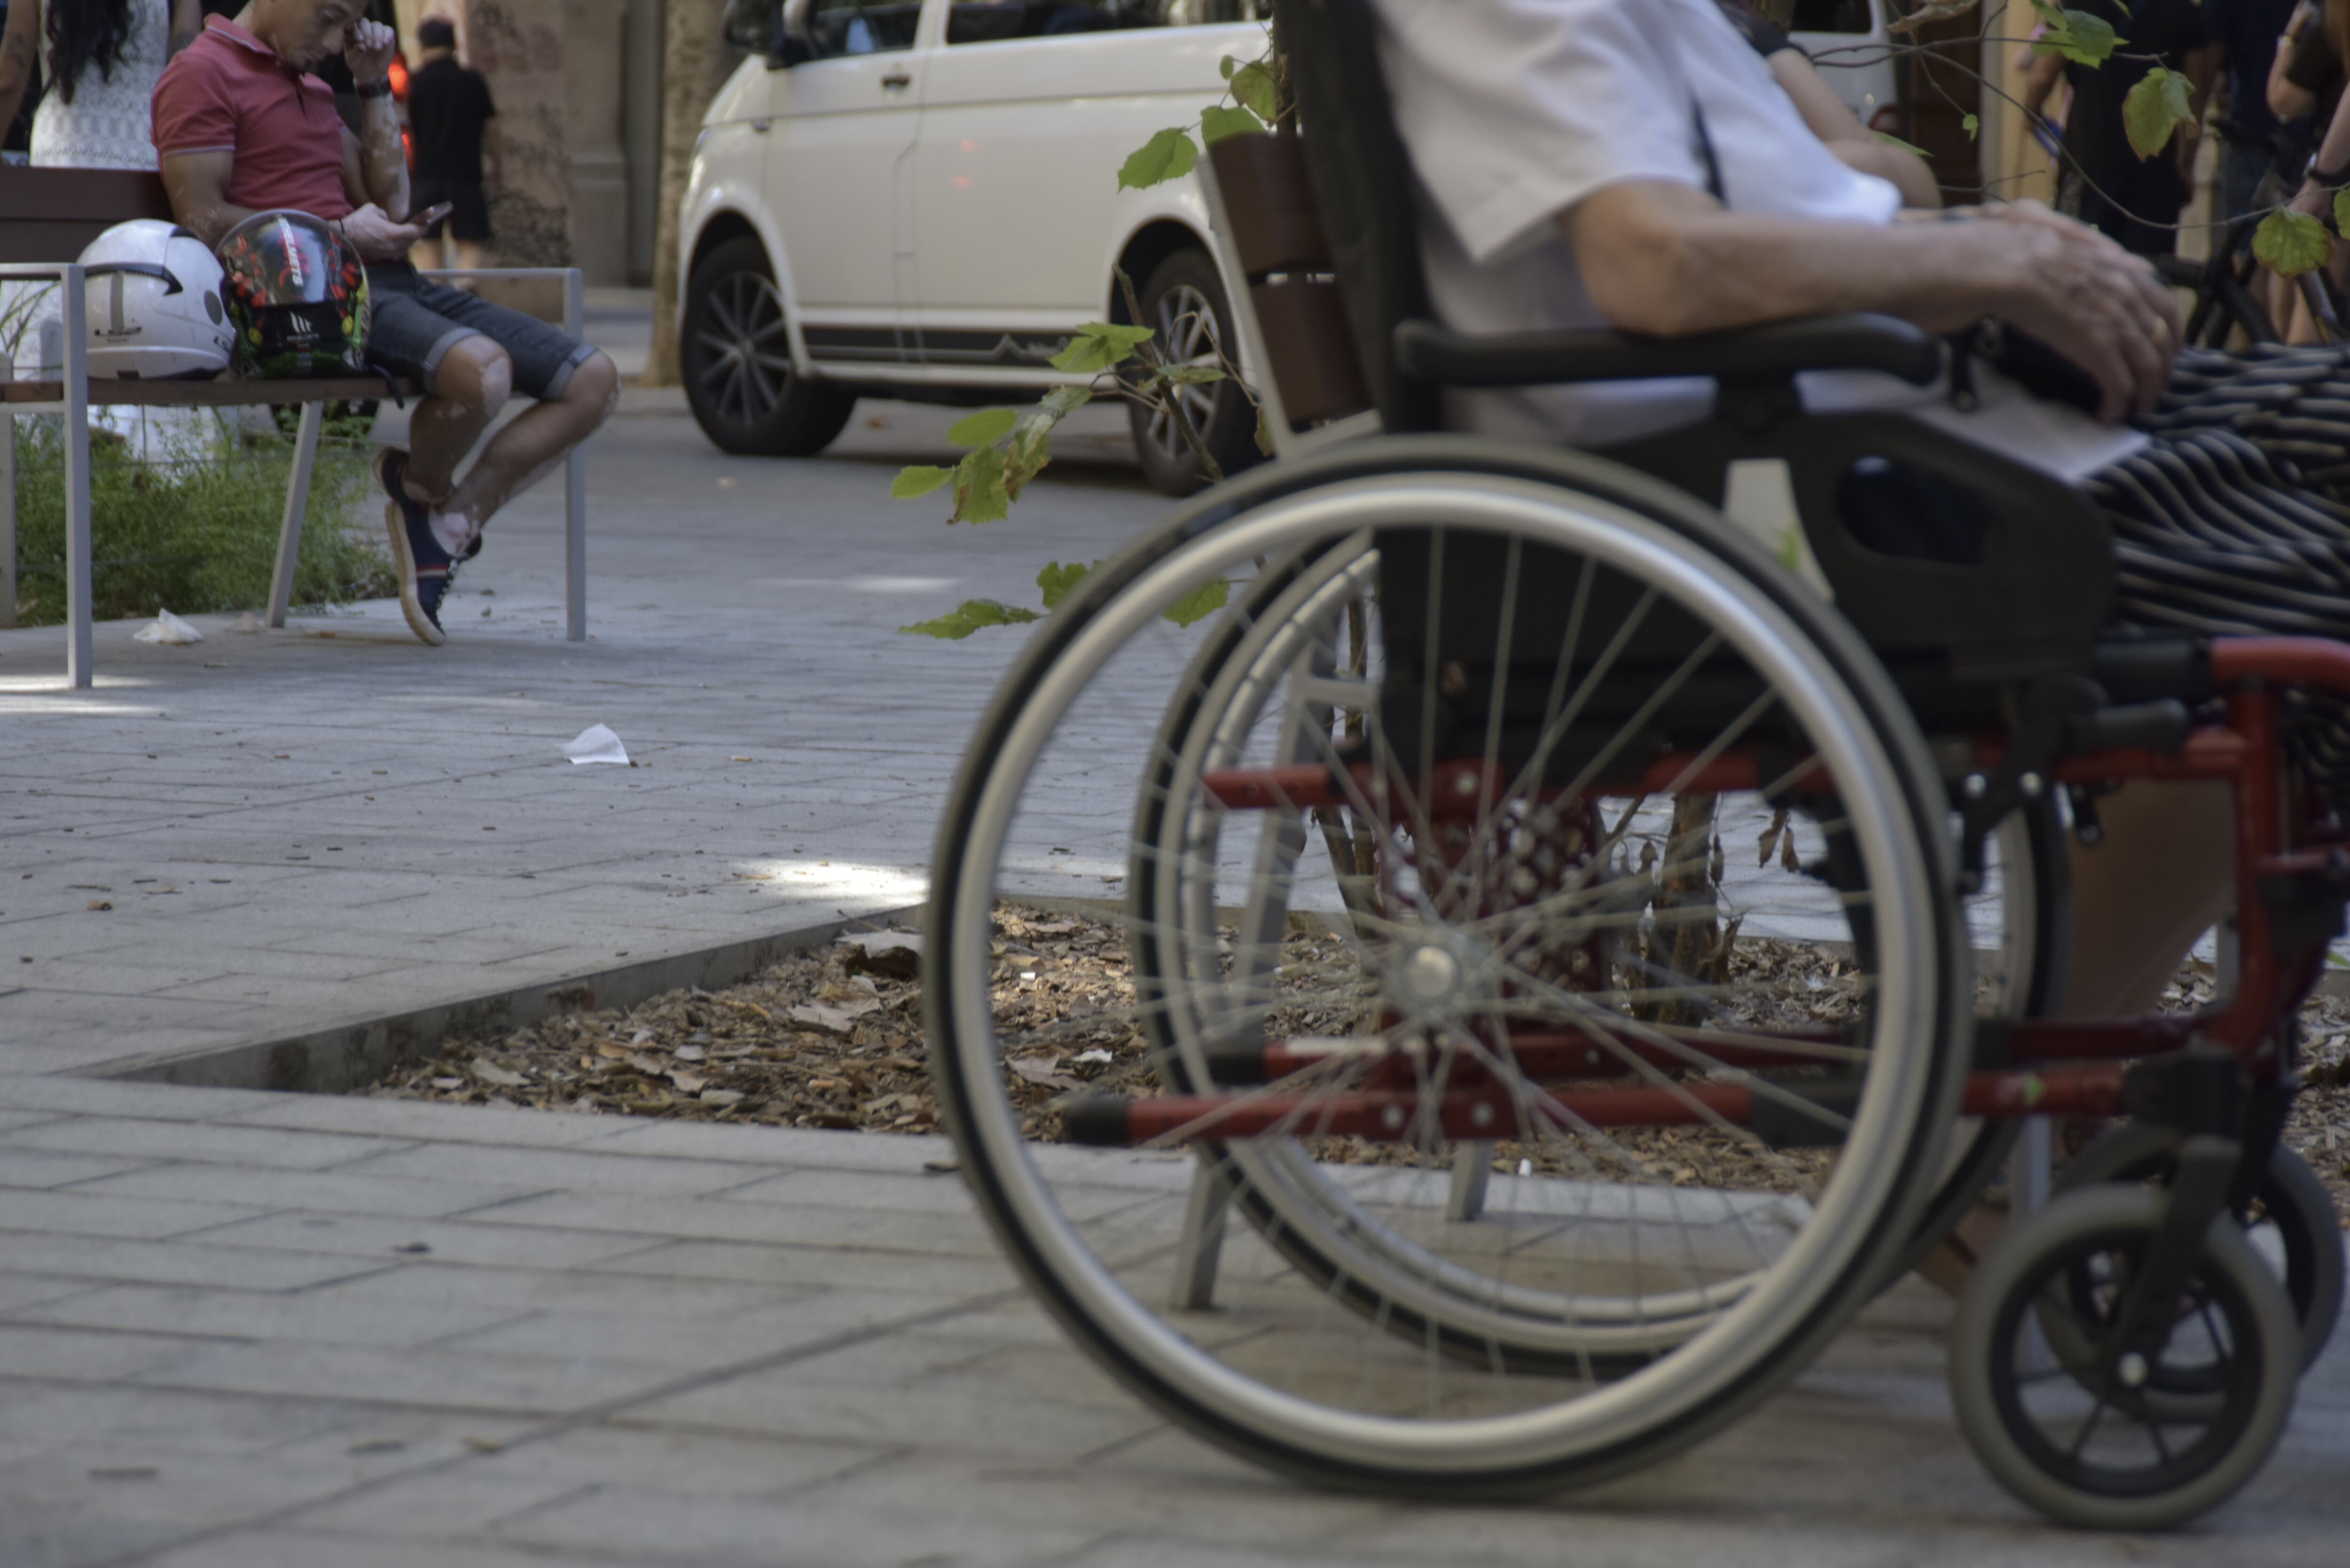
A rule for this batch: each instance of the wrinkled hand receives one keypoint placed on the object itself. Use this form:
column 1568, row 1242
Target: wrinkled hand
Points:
column 2101, row 307
column 2313, row 198
column 368, row 49
column 2038, row 214
column 379, row 239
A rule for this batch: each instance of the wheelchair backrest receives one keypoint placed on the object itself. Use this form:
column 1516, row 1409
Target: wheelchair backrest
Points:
column 1941, row 553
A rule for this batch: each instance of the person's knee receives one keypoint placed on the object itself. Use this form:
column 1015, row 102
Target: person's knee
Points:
column 594, row 389
column 476, row 376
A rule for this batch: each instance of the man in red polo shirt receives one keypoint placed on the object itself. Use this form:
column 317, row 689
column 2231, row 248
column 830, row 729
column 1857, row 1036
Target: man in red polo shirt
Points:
column 242, row 127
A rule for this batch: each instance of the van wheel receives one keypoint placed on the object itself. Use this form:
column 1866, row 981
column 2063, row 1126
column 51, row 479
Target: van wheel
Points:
column 737, row 362
column 1183, row 298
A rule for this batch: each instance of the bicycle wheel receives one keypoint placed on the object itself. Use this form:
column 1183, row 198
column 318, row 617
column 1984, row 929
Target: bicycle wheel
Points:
column 1712, row 1163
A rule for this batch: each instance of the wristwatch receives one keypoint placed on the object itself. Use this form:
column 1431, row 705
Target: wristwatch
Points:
column 379, row 89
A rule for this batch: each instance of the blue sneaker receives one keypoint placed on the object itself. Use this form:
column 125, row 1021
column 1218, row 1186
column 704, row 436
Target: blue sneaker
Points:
column 425, row 569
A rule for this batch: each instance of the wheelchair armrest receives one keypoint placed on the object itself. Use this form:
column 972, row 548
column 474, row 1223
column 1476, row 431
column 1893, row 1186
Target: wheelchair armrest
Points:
column 1435, row 353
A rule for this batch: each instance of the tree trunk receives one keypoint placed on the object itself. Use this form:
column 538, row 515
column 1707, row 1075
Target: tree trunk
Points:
column 695, row 63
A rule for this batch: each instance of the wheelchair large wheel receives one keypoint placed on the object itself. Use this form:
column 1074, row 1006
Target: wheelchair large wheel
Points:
column 1705, row 1164
column 1315, row 619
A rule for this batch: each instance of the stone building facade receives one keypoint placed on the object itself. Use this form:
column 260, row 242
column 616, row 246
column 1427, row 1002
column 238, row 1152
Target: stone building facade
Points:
column 572, row 80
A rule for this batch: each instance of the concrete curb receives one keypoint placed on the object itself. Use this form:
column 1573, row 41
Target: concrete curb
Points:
column 340, row 1057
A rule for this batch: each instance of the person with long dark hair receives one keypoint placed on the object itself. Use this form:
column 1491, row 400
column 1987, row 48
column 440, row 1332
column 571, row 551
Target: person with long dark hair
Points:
column 100, row 59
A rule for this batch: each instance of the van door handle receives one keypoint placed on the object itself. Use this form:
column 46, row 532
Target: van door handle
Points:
column 896, row 79
column 760, row 126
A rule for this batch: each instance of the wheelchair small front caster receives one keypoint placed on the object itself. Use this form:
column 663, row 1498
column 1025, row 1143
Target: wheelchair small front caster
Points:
column 2082, row 1443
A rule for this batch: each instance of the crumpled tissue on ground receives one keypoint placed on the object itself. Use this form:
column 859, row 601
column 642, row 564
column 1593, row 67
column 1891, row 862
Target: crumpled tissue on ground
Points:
column 168, row 628
column 596, row 744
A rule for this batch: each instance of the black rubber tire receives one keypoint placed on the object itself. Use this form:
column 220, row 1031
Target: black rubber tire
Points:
column 764, row 409
column 1230, row 433
column 2291, row 1194
column 2013, row 1279
column 1922, row 800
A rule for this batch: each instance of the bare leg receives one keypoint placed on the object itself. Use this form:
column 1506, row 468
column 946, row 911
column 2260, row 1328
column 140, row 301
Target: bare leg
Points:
column 469, row 388
column 528, row 449
column 2163, row 875
column 472, row 254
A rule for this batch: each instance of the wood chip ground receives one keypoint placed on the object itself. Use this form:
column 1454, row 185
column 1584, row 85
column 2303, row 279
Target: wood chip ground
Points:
column 833, row 1038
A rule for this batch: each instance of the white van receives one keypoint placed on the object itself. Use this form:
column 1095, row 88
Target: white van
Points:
column 919, row 199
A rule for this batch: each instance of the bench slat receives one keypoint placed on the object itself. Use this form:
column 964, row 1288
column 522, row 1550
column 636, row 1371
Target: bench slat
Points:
column 106, row 391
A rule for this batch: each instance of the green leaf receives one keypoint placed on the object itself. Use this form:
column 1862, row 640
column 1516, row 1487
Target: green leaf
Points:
column 1099, row 346
column 980, row 496
column 1191, row 374
column 1970, row 125
column 969, row 617
column 1200, row 603
column 1226, row 67
column 1892, row 140
column 2081, row 37
column 1169, row 155
column 1219, row 122
column 2342, row 211
column 1056, row 580
column 918, row 480
column 1031, row 449
column 1253, row 90
column 2160, row 103
column 1066, row 401
column 984, row 428
column 2291, row 242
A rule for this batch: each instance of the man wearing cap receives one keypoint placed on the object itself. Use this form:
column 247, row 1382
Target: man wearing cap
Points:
column 242, row 127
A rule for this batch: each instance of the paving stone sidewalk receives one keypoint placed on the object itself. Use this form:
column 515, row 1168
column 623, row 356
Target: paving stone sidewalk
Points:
column 243, row 1330
column 333, row 822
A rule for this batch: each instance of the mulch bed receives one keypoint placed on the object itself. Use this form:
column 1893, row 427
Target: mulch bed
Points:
column 833, row 1038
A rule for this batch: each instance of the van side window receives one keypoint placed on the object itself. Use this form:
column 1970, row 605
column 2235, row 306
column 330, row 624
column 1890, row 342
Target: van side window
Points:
column 862, row 26
column 1831, row 17
column 986, row 21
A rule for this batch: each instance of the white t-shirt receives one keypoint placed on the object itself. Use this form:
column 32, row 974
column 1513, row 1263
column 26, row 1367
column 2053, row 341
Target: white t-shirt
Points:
column 1514, row 110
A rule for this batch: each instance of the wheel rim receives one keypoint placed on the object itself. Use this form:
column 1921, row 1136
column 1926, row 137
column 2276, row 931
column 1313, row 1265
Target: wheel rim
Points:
column 745, row 348
column 1721, row 1351
column 1185, row 320
column 2081, row 1425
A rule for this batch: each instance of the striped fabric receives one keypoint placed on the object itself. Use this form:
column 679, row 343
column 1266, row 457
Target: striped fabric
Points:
column 2235, row 518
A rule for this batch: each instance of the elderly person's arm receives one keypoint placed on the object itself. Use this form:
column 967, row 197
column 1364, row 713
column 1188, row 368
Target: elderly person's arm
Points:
column 20, row 58
column 187, row 21
column 1854, row 145
column 1666, row 259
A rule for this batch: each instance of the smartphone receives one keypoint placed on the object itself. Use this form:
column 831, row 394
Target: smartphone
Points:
column 433, row 214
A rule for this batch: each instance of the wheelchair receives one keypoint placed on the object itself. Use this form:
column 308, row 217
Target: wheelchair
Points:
column 1590, row 960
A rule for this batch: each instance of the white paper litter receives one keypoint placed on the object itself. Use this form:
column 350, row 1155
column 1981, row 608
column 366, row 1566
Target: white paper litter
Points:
column 249, row 621
column 596, row 744
column 168, row 628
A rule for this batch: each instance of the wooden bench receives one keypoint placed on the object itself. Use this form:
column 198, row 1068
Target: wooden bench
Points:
column 48, row 216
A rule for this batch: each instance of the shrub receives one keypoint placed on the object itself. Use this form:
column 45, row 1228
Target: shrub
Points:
column 196, row 533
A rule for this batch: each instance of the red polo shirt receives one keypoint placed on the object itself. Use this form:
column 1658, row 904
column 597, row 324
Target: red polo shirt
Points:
column 229, row 92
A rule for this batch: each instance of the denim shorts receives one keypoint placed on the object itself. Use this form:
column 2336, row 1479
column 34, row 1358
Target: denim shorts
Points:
column 413, row 322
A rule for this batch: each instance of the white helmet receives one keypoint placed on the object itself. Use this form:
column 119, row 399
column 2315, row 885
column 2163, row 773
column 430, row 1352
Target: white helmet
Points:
column 154, row 304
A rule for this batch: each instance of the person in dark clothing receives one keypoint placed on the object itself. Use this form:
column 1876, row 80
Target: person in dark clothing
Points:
column 2135, row 202
column 2246, row 32
column 449, row 114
